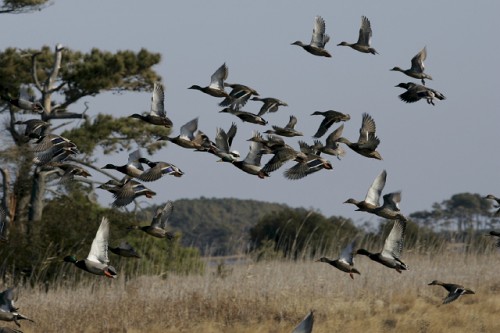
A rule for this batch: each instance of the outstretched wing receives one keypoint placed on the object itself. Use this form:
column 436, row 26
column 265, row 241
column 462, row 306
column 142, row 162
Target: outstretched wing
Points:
column 393, row 246
column 347, row 255
column 417, row 62
column 162, row 214
column 365, row 32
column 157, row 101
column 306, row 325
column 218, row 77
column 373, row 194
column 99, row 249
column 319, row 38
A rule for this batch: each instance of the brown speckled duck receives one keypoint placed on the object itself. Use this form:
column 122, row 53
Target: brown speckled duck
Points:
column 157, row 115
column 393, row 247
column 364, row 39
column 368, row 141
column 318, row 40
column 454, row 290
column 216, row 87
column 158, row 227
column 415, row 92
column 345, row 262
column 331, row 117
column 288, row 131
column 417, row 67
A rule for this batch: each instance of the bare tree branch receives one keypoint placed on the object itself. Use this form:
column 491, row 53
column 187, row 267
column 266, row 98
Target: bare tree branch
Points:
column 33, row 72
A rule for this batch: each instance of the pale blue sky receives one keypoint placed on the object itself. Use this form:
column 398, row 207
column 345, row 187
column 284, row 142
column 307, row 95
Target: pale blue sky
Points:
column 430, row 152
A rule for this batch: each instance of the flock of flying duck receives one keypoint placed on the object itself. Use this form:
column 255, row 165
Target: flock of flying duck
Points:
column 54, row 152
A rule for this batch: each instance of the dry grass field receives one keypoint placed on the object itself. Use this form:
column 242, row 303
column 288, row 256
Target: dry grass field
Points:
column 274, row 296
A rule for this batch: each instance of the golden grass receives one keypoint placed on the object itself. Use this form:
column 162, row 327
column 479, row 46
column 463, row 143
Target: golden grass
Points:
column 274, row 296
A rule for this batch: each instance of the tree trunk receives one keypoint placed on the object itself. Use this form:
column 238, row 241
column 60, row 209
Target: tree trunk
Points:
column 37, row 194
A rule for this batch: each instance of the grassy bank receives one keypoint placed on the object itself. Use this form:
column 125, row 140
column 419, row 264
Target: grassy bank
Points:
column 274, row 297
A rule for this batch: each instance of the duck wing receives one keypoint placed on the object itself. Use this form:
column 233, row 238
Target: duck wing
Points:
column 188, row 129
column 306, row 325
column 221, row 140
column 392, row 200
column 393, row 246
column 417, row 62
column 319, row 38
column 373, row 194
column 254, row 154
column 453, row 295
column 334, row 136
column 367, row 129
column 231, row 133
column 218, row 77
column 162, row 214
column 347, row 254
column 157, row 101
column 292, row 122
column 7, row 300
column 99, row 249
column 365, row 32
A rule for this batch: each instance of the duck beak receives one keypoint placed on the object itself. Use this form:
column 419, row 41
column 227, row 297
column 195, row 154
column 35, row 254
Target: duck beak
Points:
column 108, row 274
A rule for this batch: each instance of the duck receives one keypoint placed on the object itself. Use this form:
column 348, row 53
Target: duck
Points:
column 345, row 262
column 69, row 171
column 318, row 41
column 389, row 209
column 124, row 250
column 306, row 325
column 245, row 116
column 126, row 193
column 454, row 290
column 372, row 198
column 157, row 114
column 157, row 170
column 271, row 104
column 239, row 95
column 51, row 141
column 34, row 127
column 415, row 92
column 497, row 203
column 270, row 144
column 60, row 155
column 158, row 225
column 367, row 142
column 53, row 148
column 8, row 312
column 288, row 131
column 216, row 87
column 133, row 168
column 331, row 117
column 251, row 163
column 97, row 261
column 187, row 138
column 222, row 145
column 25, row 104
column 495, row 234
column 332, row 145
column 313, row 163
column 393, row 247
column 282, row 154
column 417, row 67
column 364, row 39
column 112, row 185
